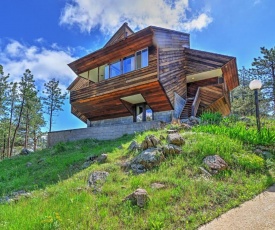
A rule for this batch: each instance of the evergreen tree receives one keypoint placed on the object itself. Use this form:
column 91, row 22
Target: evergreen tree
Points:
column 265, row 69
column 27, row 93
column 54, row 99
column 3, row 115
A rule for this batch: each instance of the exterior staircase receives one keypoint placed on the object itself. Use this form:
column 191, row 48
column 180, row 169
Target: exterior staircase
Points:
column 186, row 112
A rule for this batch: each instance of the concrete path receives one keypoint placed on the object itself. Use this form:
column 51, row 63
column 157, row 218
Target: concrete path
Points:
column 256, row 214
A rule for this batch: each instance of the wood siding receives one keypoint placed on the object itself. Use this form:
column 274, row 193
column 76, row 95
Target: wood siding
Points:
column 164, row 38
column 171, row 73
column 221, row 106
column 110, row 105
column 102, row 100
column 230, row 73
column 128, row 46
column 78, row 83
column 123, row 32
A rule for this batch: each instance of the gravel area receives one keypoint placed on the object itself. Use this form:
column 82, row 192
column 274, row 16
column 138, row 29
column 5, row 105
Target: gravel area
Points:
column 256, row 214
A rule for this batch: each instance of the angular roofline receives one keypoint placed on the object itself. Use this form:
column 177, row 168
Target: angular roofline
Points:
column 124, row 25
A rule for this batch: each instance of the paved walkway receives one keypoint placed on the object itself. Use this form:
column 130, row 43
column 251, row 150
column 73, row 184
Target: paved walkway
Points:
column 256, row 214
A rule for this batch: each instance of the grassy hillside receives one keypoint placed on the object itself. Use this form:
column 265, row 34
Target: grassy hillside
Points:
column 60, row 198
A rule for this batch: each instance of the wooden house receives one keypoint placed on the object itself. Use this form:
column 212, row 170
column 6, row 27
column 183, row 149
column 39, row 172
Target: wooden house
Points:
column 152, row 74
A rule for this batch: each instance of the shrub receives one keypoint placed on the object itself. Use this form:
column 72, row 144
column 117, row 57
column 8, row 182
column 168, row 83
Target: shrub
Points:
column 250, row 163
column 211, row 118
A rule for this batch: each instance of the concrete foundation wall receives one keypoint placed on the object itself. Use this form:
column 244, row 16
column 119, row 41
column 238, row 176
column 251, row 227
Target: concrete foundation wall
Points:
column 165, row 116
column 114, row 121
column 106, row 132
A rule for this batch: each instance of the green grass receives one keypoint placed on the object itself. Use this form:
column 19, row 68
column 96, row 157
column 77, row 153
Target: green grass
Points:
column 61, row 200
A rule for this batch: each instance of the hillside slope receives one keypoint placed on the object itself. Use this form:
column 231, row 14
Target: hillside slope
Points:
column 61, row 199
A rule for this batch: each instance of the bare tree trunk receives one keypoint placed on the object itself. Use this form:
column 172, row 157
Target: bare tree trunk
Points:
column 18, row 124
column 34, row 141
column 27, row 130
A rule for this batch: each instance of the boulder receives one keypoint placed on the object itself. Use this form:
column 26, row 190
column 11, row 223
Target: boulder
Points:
column 149, row 158
column 133, row 146
column 138, row 197
column 157, row 186
column 86, row 164
column 175, row 139
column 149, row 142
column 171, row 149
column 102, row 158
column 215, row 163
column 25, row 152
column 193, row 121
column 97, row 179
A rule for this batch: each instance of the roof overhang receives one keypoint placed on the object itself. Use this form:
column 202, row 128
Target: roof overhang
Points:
column 204, row 75
column 122, row 48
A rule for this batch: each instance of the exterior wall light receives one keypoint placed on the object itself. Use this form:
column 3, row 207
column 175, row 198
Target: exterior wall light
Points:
column 256, row 85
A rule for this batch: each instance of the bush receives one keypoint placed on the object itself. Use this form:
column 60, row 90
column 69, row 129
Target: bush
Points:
column 211, row 118
column 250, row 163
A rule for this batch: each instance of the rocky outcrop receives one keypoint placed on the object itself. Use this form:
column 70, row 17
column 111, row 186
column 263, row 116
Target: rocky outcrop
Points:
column 175, row 139
column 95, row 159
column 138, row 197
column 215, row 163
column 133, row 146
column 147, row 159
column 25, row 152
column 97, row 179
column 171, row 149
column 150, row 142
column 157, row 186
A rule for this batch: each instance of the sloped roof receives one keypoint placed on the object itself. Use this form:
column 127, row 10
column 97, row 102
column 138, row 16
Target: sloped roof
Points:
column 121, row 34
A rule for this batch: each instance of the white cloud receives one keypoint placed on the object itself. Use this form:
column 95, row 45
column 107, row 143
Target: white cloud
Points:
column 108, row 15
column 45, row 63
column 198, row 23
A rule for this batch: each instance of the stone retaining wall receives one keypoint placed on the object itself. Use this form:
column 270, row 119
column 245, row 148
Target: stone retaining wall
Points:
column 106, row 132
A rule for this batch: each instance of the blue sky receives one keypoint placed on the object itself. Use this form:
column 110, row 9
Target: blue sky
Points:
column 44, row 36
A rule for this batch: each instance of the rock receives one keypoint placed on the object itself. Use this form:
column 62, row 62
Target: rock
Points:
column 125, row 165
column 161, row 137
column 138, row 197
column 186, row 126
column 25, row 152
column 102, row 158
column 133, row 146
column 149, row 158
column 149, row 142
column 267, row 155
column 154, row 140
column 91, row 158
column 157, row 186
column 15, row 196
column 171, row 149
column 215, row 163
column 258, row 151
column 29, row 164
column 171, row 131
column 205, row 172
column 97, row 179
column 175, row 139
column 138, row 168
column 86, row 164
column 193, row 121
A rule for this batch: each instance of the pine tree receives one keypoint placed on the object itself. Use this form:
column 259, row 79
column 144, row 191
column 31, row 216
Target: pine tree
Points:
column 265, row 69
column 27, row 93
column 54, row 99
column 3, row 115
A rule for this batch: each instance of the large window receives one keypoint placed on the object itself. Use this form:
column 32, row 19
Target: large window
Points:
column 142, row 58
column 115, row 69
column 130, row 63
